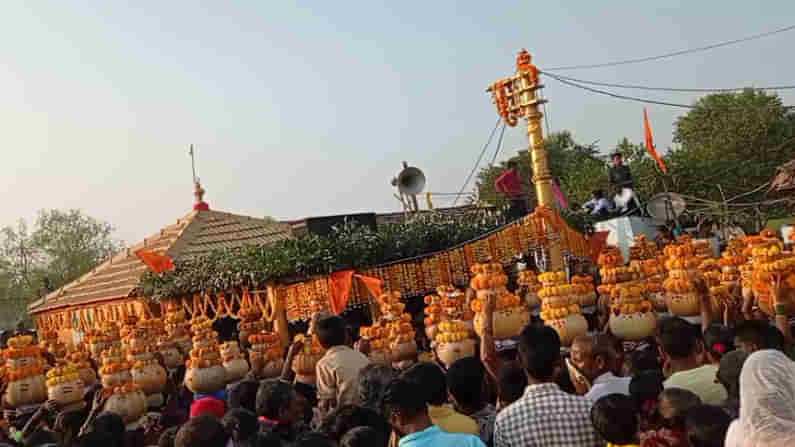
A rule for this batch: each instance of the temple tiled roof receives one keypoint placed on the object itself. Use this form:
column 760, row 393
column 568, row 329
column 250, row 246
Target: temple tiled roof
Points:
column 195, row 234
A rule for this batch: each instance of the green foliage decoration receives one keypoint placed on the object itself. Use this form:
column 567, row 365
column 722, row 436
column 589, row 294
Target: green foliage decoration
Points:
column 348, row 246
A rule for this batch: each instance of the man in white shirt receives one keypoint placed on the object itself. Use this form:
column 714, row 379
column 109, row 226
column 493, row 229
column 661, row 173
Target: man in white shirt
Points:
column 594, row 358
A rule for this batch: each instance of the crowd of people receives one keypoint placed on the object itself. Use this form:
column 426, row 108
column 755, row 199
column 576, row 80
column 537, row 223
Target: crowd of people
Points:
column 690, row 386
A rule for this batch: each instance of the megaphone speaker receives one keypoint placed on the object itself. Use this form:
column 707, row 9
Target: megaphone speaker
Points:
column 411, row 181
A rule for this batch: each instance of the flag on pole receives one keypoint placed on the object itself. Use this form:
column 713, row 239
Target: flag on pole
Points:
column 564, row 205
column 158, row 263
column 339, row 290
column 650, row 144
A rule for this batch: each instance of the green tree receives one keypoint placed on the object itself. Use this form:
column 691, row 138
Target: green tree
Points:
column 72, row 243
column 735, row 140
column 21, row 272
column 63, row 246
column 576, row 166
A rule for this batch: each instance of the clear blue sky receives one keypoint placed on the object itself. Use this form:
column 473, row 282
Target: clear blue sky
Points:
column 309, row 110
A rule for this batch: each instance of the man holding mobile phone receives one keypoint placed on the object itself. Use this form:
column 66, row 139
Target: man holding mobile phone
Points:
column 592, row 361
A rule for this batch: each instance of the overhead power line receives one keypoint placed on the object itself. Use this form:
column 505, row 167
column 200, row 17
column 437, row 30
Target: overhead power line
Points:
column 616, row 95
column 499, row 143
column 625, row 97
column 477, row 163
column 674, row 53
column 665, row 89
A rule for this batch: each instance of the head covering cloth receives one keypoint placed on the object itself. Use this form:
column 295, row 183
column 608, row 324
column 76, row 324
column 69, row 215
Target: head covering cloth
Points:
column 767, row 402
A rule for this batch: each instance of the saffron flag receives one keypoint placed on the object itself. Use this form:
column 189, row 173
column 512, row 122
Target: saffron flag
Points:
column 597, row 242
column 156, row 262
column 650, row 144
column 373, row 285
column 339, row 290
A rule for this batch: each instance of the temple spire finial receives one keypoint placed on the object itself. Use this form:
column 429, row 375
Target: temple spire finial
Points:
column 198, row 191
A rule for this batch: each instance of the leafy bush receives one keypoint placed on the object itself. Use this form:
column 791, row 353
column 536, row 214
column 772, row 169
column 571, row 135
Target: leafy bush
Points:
column 348, row 246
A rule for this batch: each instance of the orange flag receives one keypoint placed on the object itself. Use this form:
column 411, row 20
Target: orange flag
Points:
column 156, row 262
column 339, row 290
column 373, row 285
column 650, row 144
column 597, row 242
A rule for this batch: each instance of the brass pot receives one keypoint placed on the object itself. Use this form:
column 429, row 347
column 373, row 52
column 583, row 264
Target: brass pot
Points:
column 633, row 326
column 67, row 393
column 507, row 323
column 568, row 328
column 116, row 379
column 130, row 406
column 27, row 391
column 205, row 380
column 236, row 369
column 448, row 353
column 151, row 378
column 683, row 304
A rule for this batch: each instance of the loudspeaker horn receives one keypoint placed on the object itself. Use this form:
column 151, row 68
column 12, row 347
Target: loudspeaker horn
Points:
column 411, row 181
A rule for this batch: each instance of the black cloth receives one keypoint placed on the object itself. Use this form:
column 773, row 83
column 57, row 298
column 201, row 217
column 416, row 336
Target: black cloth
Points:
column 621, row 176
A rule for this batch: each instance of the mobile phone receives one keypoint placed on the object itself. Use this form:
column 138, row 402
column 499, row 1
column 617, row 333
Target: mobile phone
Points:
column 577, row 375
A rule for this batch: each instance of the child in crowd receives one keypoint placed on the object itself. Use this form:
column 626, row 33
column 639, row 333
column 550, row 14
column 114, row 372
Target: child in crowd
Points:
column 337, row 372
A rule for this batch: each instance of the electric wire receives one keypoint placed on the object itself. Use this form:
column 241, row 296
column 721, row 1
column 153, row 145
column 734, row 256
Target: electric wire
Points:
column 544, row 106
column 477, row 163
column 664, row 89
column 499, row 144
column 675, row 53
column 616, row 95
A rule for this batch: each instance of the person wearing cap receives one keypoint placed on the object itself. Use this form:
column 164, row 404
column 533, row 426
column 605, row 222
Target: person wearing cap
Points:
column 208, row 405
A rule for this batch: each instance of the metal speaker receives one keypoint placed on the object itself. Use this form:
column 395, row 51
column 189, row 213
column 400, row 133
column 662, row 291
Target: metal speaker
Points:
column 665, row 206
column 411, row 181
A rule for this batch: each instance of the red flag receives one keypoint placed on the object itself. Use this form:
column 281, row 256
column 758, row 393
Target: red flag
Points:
column 339, row 290
column 650, row 144
column 597, row 242
column 156, row 262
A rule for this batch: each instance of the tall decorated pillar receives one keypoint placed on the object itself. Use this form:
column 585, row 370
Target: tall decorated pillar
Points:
column 516, row 97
